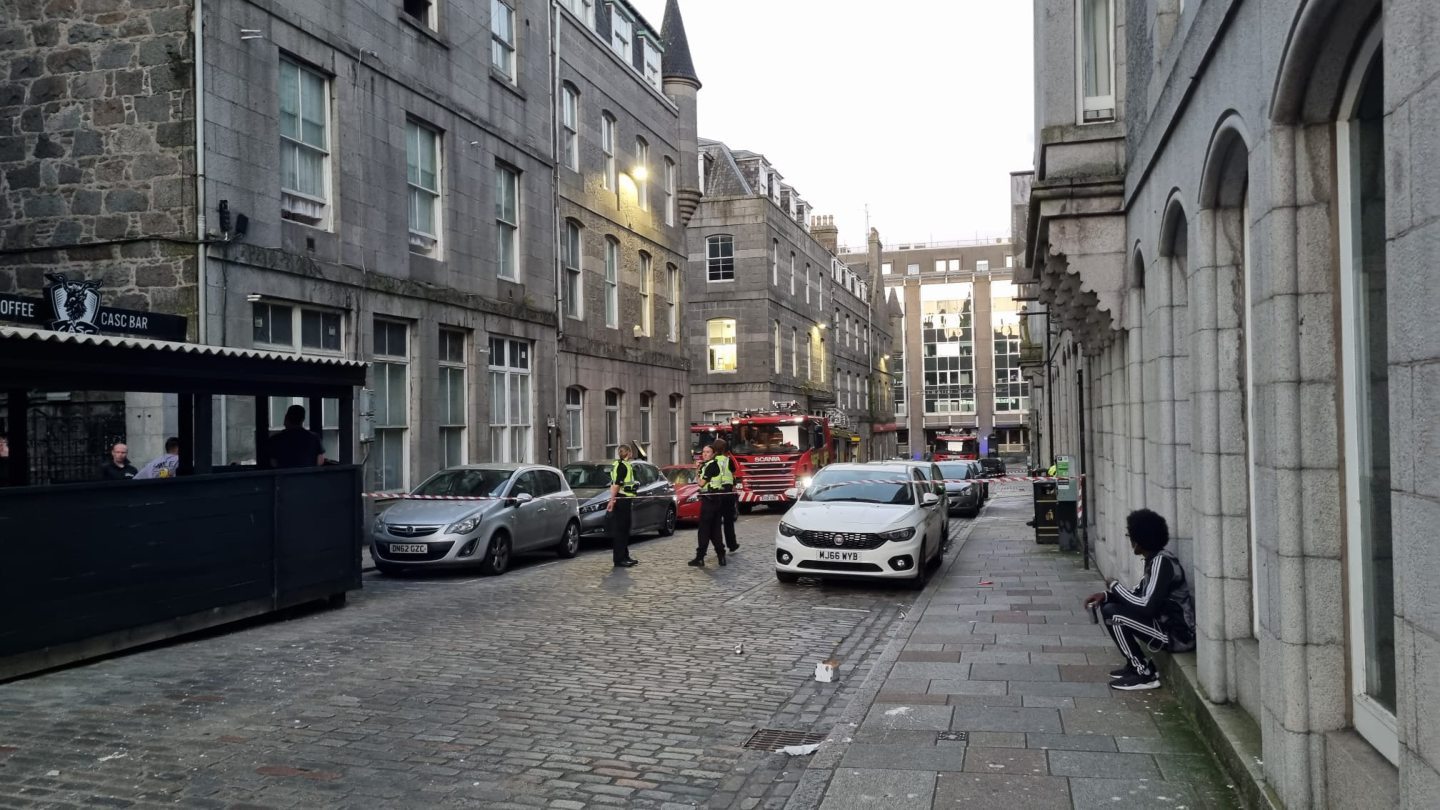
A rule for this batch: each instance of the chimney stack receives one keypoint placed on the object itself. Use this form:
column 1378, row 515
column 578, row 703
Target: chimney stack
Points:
column 822, row 227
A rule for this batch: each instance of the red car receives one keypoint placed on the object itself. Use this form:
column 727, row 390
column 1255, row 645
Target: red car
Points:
column 687, row 492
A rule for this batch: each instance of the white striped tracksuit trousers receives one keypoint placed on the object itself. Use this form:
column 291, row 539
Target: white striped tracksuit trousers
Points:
column 1134, row 636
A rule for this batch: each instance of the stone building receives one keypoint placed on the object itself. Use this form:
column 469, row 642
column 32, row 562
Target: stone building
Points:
column 956, row 370
column 775, row 315
column 1230, row 229
column 372, row 179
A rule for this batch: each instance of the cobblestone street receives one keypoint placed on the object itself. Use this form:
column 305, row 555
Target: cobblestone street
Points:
column 564, row 683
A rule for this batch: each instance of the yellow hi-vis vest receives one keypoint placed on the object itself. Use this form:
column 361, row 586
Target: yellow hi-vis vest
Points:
column 723, row 477
column 623, row 473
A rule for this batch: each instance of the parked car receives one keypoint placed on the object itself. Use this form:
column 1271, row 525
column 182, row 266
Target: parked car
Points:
column 654, row 511
column 880, row 520
column 931, row 471
column 686, row 480
column 993, row 467
column 525, row 508
column 964, row 495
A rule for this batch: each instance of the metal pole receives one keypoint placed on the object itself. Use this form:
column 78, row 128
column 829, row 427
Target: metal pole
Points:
column 1049, row 396
column 1084, row 470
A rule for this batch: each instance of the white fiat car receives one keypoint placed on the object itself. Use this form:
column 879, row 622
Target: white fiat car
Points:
column 880, row 521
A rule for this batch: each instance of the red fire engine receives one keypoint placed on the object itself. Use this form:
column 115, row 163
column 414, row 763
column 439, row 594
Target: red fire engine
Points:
column 704, row 434
column 774, row 450
column 948, row 447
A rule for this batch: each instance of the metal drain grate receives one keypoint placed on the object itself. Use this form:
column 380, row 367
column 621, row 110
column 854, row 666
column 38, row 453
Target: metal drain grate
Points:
column 773, row 739
column 952, row 736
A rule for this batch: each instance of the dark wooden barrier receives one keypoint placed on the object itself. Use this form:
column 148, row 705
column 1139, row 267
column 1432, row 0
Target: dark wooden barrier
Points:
column 88, row 569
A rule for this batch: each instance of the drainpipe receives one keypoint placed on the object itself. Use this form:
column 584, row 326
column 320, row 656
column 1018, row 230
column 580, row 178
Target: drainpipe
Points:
column 202, row 295
column 558, row 397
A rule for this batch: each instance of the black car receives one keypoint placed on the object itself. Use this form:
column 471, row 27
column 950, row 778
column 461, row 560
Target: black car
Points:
column 993, row 467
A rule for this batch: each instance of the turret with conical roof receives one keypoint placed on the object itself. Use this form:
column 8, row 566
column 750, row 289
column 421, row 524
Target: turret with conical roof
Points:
column 682, row 87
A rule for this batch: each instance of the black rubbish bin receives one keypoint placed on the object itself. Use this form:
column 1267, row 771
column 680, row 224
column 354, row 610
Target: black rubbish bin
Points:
column 1047, row 528
column 1066, row 524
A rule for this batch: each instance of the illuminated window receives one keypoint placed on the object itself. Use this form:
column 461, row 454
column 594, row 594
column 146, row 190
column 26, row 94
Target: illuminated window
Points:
column 720, row 335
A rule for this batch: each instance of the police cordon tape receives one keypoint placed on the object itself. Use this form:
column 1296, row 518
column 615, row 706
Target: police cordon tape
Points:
column 405, row 496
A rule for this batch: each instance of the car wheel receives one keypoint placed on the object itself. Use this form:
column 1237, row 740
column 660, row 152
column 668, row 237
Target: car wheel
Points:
column 787, row 577
column 497, row 556
column 570, row 541
column 389, row 569
column 668, row 527
column 746, row 508
column 922, row 572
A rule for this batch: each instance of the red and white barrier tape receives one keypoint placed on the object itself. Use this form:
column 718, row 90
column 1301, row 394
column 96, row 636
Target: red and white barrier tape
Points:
column 408, row 497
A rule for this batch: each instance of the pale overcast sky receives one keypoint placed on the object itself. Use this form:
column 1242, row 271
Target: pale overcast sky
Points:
column 918, row 108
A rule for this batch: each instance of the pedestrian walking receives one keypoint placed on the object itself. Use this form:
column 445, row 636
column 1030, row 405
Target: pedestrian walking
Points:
column 165, row 465
column 294, row 446
column 715, row 476
column 730, row 499
column 118, row 468
column 619, row 512
column 1157, row 614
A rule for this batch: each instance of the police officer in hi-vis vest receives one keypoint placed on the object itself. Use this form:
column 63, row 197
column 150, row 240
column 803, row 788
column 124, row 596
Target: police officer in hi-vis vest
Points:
column 622, row 499
column 716, row 483
column 731, row 498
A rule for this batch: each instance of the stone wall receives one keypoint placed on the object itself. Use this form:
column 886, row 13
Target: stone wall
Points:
column 97, row 149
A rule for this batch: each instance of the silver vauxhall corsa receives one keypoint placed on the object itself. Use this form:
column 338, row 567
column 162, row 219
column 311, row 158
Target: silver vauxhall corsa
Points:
column 655, row 509
column 518, row 508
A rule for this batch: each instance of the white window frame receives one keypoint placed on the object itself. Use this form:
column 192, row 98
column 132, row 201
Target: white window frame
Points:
column 383, row 364
column 574, row 424
column 296, row 321
column 1101, row 107
column 642, row 173
column 570, row 125
column 647, row 298
column 507, row 222
column 420, row 138
column 614, row 397
column 502, row 38
column 572, row 252
column 778, row 362
column 311, row 208
column 650, row 60
column 775, row 262
column 453, row 365
column 1372, row 720
column 512, row 415
column 669, row 191
column 675, row 426
column 612, row 282
column 584, row 9
column 794, row 352
column 622, row 35
column 610, row 177
column 792, row 274
column 807, row 282
column 647, row 427
column 712, row 342
column 673, row 304
column 715, row 261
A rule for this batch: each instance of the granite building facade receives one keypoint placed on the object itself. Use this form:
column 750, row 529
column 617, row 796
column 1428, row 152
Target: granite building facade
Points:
column 775, row 315
column 1229, row 232
column 374, row 179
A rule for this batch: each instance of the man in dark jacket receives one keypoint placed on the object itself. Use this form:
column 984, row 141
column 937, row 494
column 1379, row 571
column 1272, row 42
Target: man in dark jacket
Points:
column 1151, row 616
column 118, row 468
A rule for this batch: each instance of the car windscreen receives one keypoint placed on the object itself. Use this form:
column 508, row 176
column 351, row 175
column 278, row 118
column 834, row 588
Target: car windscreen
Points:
column 766, row 438
column 860, row 486
column 680, row 475
column 466, row 483
column 955, row 472
column 587, row 476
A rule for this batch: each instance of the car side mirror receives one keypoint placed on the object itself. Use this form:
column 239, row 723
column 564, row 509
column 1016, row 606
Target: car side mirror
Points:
column 929, row 499
column 792, row 493
column 523, row 498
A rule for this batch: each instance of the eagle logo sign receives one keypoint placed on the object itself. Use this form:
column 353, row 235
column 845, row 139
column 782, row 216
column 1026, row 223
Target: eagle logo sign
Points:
column 76, row 304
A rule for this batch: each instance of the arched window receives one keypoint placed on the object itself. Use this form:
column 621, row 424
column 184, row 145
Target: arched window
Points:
column 647, row 413
column 720, row 340
column 570, row 126
column 607, row 150
column 574, row 423
column 612, row 421
column 720, row 257
column 612, row 282
column 570, row 258
column 641, row 173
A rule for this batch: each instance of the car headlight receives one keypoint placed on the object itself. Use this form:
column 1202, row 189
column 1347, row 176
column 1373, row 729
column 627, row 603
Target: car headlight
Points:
column 965, row 490
column 464, row 526
column 590, row 508
column 787, row 530
column 897, row 535
column 379, row 526
column 693, row 498
column 805, row 482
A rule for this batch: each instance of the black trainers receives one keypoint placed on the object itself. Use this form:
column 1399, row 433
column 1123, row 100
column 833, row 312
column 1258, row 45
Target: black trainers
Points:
column 1122, row 672
column 1136, row 682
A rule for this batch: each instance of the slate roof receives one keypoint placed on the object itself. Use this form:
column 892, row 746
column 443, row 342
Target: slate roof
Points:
column 676, row 63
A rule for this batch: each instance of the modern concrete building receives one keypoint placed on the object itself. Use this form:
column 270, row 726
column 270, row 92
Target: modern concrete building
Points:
column 956, row 370
column 774, row 315
column 1230, row 230
column 396, row 181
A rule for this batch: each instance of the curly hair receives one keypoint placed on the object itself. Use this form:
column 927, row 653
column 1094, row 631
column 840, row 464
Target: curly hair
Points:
column 1147, row 530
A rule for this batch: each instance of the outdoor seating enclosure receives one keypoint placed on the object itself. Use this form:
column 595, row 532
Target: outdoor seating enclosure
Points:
column 90, row 568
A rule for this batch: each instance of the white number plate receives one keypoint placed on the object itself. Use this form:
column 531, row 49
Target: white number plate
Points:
column 409, row 548
column 840, row 556
column 771, row 497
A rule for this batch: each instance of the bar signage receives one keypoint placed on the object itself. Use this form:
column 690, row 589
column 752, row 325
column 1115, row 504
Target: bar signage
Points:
column 74, row 306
